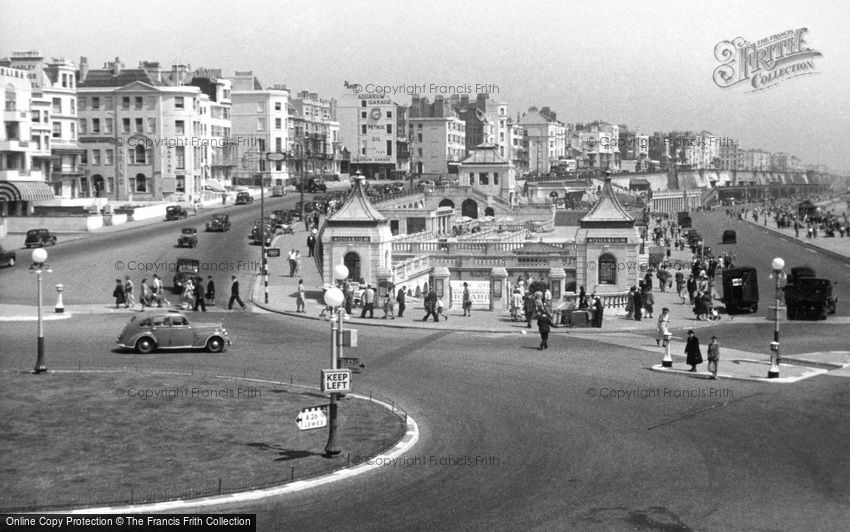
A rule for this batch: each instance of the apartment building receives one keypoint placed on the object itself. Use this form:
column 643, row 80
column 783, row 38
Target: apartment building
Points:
column 373, row 129
column 546, row 137
column 437, row 137
column 315, row 135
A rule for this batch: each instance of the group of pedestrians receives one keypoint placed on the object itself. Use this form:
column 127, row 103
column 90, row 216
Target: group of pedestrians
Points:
column 196, row 293
column 151, row 293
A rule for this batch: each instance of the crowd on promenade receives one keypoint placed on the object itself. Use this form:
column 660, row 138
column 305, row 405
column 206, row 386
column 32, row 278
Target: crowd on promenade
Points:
column 806, row 219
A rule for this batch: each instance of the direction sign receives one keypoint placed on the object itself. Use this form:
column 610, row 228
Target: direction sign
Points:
column 351, row 363
column 314, row 417
column 275, row 156
column 272, row 252
column 336, row 380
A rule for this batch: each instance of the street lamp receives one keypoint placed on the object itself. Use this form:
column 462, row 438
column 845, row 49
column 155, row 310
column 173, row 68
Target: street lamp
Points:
column 773, row 373
column 39, row 259
column 334, row 298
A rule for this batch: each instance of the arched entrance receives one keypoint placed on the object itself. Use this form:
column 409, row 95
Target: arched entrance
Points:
column 97, row 183
column 489, row 212
column 469, row 207
column 352, row 262
column 141, row 183
column 447, row 203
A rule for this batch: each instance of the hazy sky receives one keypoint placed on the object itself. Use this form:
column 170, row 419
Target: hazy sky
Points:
column 645, row 64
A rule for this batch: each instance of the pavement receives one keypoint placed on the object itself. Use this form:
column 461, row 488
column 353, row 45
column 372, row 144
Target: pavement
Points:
column 835, row 246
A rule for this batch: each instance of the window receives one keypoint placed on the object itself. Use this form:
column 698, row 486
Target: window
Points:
column 139, row 125
column 495, row 178
column 107, row 125
column 125, row 102
column 362, row 103
column 180, row 155
column 84, row 157
column 57, row 130
column 36, row 116
column 261, row 107
column 419, row 137
column 278, row 123
column 277, row 106
column 151, row 125
column 389, row 114
column 109, row 156
column 389, row 148
column 483, row 178
column 181, row 184
column 179, row 127
column 95, row 157
column 57, row 106
column 261, row 124
column 607, row 269
column 471, row 178
column 73, row 106
column 363, row 129
column 179, row 103
column 83, row 126
column 138, row 155
column 142, row 186
column 278, row 144
column 419, row 151
column 419, row 125
column 125, row 125
column 363, row 114
column 107, row 102
column 389, row 129
column 139, row 101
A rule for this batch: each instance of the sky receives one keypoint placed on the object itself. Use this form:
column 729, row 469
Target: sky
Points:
column 645, row 64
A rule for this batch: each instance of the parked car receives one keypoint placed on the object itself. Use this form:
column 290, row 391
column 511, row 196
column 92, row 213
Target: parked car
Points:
column 171, row 330
column 37, row 238
column 277, row 191
column 312, row 184
column 188, row 237
column 729, row 237
column 809, row 298
column 684, row 219
column 186, row 269
column 257, row 234
column 219, row 222
column 244, row 198
column 741, row 290
column 175, row 212
column 7, row 258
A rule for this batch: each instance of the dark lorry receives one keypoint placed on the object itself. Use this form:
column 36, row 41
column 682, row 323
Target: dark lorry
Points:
column 808, row 297
column 740, row 290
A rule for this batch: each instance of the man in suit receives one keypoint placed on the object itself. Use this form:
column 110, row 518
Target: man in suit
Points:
column 311, row 243
column 234, row 294
column 199, row 295
column 431, row 306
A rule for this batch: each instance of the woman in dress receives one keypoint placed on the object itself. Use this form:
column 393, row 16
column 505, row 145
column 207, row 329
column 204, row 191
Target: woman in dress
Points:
column 692, row 350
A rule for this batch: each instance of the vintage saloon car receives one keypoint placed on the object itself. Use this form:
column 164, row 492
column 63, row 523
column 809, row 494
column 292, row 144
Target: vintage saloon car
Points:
column 188, row 237
column 219, row 222
column 186, row 269
column 37, row 238
column 7, row 258
column 175, row 212
column 171, row 330
column 244, row 198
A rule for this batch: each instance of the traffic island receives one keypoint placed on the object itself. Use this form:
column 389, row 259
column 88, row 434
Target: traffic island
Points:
column 82, row 439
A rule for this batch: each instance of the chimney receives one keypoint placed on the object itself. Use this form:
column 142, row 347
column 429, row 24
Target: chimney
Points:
column 116, row 67
column 84, row 69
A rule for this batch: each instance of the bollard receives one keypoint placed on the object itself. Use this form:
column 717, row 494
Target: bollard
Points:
column 60, row 308
column 667, row 361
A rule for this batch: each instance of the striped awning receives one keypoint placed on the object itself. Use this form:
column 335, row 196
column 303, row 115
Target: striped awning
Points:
column 25, row 191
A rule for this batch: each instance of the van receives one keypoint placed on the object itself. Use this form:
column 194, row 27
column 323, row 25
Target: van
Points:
column 741, row 290
column 730, row 237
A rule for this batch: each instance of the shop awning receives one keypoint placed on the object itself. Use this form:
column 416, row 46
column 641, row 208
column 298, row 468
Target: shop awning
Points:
column 66, row 148
column 25, row 191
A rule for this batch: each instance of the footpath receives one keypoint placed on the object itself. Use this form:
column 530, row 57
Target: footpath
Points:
column 836, row 246
column 616, row 329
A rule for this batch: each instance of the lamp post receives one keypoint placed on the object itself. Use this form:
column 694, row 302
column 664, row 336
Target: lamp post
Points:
column 645, row 229
column 39, row 259
column 773, row 373
column 334, row 299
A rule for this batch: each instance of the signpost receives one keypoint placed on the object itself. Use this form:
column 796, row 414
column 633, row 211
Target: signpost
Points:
column 336, row 380
column 272, row 252
column 314, row 417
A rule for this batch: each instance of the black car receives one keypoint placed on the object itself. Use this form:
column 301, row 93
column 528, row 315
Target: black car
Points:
column 37, row 238
column 7, row 258
column 244, row 198
column 730, row 237
column 219, row 222
column 188, row 237
column 186, row 269
column 175, row 212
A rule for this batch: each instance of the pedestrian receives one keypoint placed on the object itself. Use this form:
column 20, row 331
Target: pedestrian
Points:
column 368, row 302
column 199, row 295
column 234, row 294
column 639, row 304
column 713, row 352
column 298, row 262
column 431, row 306
column 692, row 350
column 118, row 293
column 663, row 326
column 210, row 291
column 188, row 296
column 291, row 258
column 311, row 243
column 440, row 308
column 649, row 302
column 467, row 301
column 598, row 311
column 348, row 292
column 299, row 299
column 529, row 309
column 159, row 292
column 582, row 298
column 400, row 299
column 630, row 304
column 145, row 297
column 692, row 288
column 544, row 324
column 389, row 304
column 129, row 298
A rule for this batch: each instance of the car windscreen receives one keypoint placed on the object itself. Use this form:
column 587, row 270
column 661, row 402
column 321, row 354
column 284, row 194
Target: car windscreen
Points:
column 187, row 267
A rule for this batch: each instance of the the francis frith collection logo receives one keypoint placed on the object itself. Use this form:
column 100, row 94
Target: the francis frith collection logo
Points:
column 764, row 63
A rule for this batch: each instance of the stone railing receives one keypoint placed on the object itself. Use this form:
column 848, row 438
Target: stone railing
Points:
column 413, row 266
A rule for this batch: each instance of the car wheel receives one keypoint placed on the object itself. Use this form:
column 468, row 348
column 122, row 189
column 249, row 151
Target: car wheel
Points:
column 145, row 345
column 215, row 345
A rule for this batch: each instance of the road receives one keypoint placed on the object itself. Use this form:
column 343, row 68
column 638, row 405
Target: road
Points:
column 516, row 438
